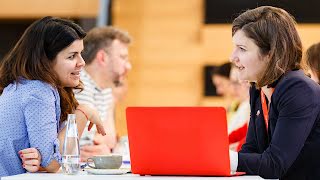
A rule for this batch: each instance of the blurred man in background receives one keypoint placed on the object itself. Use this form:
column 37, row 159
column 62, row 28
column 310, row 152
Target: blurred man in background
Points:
column 107, row 64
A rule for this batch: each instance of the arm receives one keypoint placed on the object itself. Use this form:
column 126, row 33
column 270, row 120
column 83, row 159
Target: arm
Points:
column 42, row 126
column 81, row 124
column 83, row 113
column 102, row 145
column 41, row 122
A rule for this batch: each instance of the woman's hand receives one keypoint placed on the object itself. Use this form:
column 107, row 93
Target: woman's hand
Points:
column 93, row 117
column 31, row 159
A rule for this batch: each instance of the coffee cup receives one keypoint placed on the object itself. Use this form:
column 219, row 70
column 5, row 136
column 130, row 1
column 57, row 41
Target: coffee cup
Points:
column 112, row 161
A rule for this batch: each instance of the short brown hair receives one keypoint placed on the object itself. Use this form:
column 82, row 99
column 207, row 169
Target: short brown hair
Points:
column 273, row 31
column 101, row 38
column 313, row 58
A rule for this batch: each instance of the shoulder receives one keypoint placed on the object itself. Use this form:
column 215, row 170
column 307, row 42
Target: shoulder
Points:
column 296, row 76
column 36, row 85
column 297, row 82
column 297, row 88
column 37, row 89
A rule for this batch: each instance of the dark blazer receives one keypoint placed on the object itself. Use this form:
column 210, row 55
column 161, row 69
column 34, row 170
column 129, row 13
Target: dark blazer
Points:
column 291, row 147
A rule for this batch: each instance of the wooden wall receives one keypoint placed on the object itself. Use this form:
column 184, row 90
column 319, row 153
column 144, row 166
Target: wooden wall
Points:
column 11, row 9
column 171, row 45
column 166, row 54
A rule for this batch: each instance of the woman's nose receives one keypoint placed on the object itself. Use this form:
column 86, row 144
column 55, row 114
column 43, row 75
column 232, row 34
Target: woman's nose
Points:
column 232, row 57
column 81, row 61
column 128, row 66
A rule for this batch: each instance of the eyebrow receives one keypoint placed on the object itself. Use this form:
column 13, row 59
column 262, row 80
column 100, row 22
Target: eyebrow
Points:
column 73, row 52
column 239, row 45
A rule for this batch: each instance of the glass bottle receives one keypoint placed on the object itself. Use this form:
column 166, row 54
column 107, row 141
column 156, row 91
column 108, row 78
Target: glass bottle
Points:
column 71, row 150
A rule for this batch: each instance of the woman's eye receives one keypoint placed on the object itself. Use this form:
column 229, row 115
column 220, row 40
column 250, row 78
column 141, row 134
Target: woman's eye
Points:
column 71, row 57
column 242, row 49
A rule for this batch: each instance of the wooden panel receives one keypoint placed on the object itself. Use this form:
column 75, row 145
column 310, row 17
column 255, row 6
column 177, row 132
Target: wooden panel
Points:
column 166, row 62
column 217, row 42
column 165, row 96
column 169, row 74
column 309, row 34
column 120, row 116
column 174, row 56
column 166, row 80
column 169, row 7
column 120, row 7
column 217, row 38
column 40, row 8
column 213, row 101
column 172, row 47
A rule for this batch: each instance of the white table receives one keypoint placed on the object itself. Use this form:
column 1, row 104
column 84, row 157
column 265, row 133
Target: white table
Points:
column 84, row 176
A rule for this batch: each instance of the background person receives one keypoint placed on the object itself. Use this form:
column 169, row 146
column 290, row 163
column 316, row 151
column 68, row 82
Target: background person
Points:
column 238, row 126
column 221, row 79
column 107, row 64
column 313, row 61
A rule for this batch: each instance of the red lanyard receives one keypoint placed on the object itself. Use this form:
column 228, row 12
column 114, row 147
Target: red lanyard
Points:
column 265, row 108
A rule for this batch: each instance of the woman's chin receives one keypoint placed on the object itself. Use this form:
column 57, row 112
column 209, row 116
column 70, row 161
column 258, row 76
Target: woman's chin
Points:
column 71, row 84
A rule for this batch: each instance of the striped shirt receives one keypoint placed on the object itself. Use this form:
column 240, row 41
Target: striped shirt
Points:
column 97, row 98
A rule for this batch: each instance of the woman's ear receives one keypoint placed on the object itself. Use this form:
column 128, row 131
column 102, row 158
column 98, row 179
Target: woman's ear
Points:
column 267, row 57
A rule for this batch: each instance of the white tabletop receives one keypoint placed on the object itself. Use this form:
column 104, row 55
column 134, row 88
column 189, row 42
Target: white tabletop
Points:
column 84, row 176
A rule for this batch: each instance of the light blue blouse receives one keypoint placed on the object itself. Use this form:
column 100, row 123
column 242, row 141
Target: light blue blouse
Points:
column 29, row 117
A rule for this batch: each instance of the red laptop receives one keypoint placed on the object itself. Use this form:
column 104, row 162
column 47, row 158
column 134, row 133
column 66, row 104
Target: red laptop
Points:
column 178, row 141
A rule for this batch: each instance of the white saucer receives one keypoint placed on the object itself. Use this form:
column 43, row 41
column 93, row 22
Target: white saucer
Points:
column 108, row 171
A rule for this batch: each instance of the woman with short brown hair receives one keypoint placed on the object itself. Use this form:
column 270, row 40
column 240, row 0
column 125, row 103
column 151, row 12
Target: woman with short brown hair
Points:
column 283, row 139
